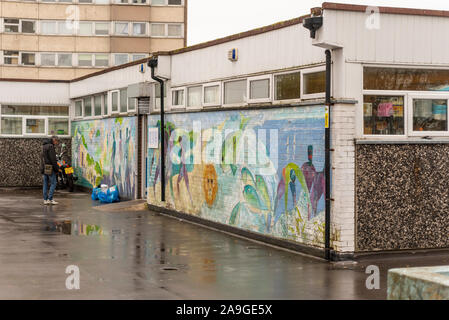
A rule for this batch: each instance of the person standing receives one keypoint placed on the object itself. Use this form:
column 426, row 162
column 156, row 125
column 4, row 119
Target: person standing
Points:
column 49, row 169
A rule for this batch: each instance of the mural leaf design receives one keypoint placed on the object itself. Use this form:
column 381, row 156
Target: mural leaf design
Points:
column 263, row 190
column 234, row 214
column 247, row 177
column 252, row 198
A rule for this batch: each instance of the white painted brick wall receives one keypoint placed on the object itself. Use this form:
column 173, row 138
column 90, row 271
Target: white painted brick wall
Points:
column 343, row 175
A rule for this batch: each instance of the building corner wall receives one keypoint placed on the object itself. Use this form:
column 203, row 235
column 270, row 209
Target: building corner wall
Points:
column 343, row 177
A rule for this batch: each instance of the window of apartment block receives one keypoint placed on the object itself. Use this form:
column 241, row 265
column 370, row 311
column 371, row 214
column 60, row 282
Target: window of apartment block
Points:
column 383, row 115
column 48, row 27
column 175, row 30
column 11, row 57
column 120, row 58
column 121, row 28
column 65, row 27
column 212, row 95
column 114, row 101
column 101, row 60
column 139, row 28
column 28, row 26
column 101, row 28
column 194, row 96
column 157, row 30
column 259, row 88
column 139, row 1
column 158, row 2
column 314, row 82
column 378, row 78
column 97, row 106
column 123, row 100
column 85, row 1
column 287, row 86
column 48, row 59
column 174, row 2
column 85, row 29
column 64, row 59
column 84, row 59
column 58, row 126
column 178, row 98
column 28, row 59
column 102, row 1
column 235, row 92
column 87, row 103
column 35, row 126
column 136, row 57
column 11, row 25
column 78, row 108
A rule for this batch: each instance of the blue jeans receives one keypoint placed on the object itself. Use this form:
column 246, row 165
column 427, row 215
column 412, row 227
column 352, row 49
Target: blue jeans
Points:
column 48, row 195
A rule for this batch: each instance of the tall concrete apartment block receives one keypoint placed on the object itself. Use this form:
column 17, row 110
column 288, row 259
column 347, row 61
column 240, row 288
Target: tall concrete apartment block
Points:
column 66, row 39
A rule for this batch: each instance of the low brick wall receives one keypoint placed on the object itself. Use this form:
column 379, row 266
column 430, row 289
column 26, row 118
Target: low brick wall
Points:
column 20, row 161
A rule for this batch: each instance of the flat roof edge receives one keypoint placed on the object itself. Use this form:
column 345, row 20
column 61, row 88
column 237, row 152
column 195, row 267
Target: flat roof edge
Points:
column 392, row 10
column 33, row 80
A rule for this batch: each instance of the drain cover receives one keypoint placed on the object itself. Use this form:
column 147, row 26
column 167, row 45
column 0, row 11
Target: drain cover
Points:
column 169, row 269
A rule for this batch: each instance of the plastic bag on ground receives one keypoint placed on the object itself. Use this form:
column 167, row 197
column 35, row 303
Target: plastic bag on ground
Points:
column 95, row 192
column 111, row 195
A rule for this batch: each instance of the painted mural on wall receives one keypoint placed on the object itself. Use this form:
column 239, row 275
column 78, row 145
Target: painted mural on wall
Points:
column 104, row 151
column 259, row 170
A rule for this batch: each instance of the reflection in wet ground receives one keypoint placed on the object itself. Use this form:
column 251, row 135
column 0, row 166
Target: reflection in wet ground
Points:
column 144, row 255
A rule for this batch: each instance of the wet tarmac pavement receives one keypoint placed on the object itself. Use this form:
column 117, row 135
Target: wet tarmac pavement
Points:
column 145, row 255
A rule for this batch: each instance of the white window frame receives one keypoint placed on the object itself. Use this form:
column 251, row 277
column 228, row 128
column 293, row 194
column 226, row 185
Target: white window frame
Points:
column 71, row 58
column 74, row 109
column 9, row 32
column 165, row 30
column 120, row 101
column 46, row 118
column 110, row 94
column 166, row 4
column 94, row 59
column 105, row 104
column 131, row 29
column 24, row 120
column 178, row 106
column 312, row 95
column 388, row 94
column 92, row 34
column 49, row 34
column 220, row 98
column 8, row 56
column 135, row 104
column 174, row 37
column 274, row 88
column 130, row 2
column 101, row 35
column 45, row 66
column 101, row 106
column 121, row 35
column 223, row 94
column 425, row 96
column 28, row 65
column 270, row 89
column 91, row 116
column 119, row 53
column 186, row 102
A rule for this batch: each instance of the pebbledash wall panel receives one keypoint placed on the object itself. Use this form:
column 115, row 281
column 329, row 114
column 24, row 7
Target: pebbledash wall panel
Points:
column 104, row 152
column 258, row 170
column 402, row 196
column 20, row 161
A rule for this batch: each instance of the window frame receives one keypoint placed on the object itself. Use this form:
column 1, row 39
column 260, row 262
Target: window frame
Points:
column 120, row 101
column 311, row 96
column 110, row 95
column 23, row 118
column 10, row 56
column 94, row 115
column 131, row 29
column 178, row 106
column 95, row 28
column 426, row 96
column 91, row 108
column 166, row 4
column 223, row 94
column 270, row 89
column 121, row 35
column 28, row 65
column 74, row 109
column 278, row 101
column 220, row 99
column 9, row 23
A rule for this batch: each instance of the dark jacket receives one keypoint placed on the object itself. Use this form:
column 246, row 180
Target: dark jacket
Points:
column 49, row 155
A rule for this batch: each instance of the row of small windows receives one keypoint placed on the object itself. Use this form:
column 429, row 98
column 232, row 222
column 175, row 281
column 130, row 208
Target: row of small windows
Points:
column 92, row 28
column 262, row 89
column 54, row 59
column 137, row 2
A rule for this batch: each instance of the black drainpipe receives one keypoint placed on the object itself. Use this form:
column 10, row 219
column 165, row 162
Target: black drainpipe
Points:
column 152, row 63
column 328, row 103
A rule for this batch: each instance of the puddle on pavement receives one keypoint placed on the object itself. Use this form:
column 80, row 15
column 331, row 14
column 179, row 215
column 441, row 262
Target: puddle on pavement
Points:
column 77, row 228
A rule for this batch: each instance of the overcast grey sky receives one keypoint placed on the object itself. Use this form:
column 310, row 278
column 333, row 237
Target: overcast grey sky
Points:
column 212, row 19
